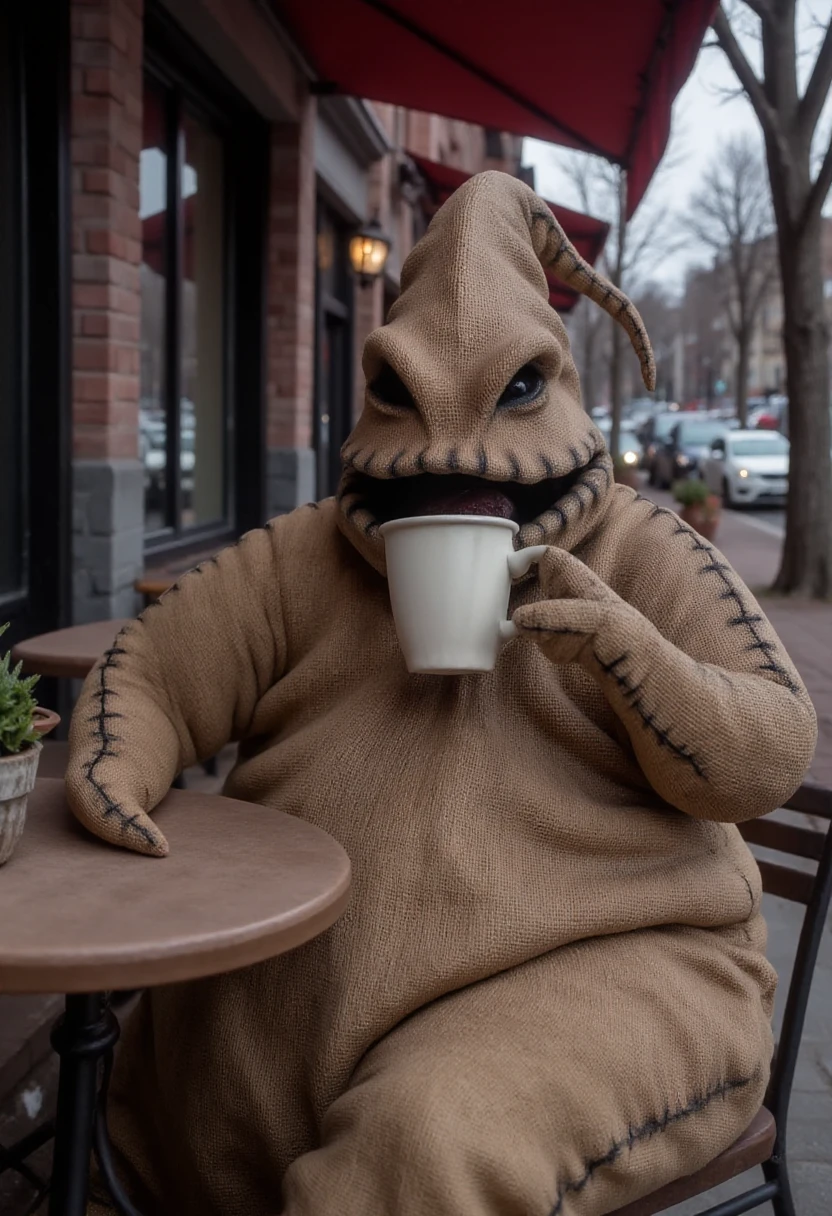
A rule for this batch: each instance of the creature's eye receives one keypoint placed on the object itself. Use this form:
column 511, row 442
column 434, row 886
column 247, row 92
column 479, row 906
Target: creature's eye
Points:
column 389, row 387
column 523, row 387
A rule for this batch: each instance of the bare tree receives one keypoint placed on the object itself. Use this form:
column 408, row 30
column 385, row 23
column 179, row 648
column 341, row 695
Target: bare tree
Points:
column 789, row 122
column 731, row 214
column 633, row 251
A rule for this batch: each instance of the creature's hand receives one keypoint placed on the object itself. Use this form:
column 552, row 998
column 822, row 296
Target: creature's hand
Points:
column 581, row 615
column 698, row 730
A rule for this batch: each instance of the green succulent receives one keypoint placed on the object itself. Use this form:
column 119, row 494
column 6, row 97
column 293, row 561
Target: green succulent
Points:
column 17, row 706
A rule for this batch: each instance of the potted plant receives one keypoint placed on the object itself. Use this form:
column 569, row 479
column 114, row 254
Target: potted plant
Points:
column 625, row 471
column 700, row 508
column 22, row 725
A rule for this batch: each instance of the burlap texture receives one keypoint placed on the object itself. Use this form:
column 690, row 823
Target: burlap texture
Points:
column 549, row 993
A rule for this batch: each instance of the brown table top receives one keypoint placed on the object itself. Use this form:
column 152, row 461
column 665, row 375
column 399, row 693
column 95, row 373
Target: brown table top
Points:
column 242, row 883
column 67, row 653
column 156, row 580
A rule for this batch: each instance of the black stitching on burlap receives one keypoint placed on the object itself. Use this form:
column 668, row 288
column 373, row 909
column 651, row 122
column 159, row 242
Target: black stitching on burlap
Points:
column 750, row 892
column 645, row 1131
column 453, row 460
column 743, row 618
column 105, row 749
column 369, row 461
column 577, row 458
column 548, row 467
column 353, row 507
column 391, row 468
column 420, row 461
column 313, row 505
column 632, row 693
column 514, row 465
column 482, row 463
column 578, row 633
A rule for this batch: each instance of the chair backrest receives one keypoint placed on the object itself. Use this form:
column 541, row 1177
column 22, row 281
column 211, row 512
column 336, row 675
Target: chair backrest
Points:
column 813, row 890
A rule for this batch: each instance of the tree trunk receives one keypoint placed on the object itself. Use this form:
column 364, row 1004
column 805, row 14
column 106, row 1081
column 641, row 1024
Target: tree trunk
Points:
column 741, row 385
column 616, row 393
column 589, row 336
column 806, row 564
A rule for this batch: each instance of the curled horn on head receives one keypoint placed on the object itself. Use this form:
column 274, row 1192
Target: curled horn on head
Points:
column 557, row 253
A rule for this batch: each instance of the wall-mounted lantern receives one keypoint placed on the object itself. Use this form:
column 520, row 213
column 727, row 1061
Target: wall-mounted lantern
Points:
column 369, row 248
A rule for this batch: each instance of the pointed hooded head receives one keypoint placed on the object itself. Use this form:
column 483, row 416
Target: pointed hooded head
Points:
column 473, row 403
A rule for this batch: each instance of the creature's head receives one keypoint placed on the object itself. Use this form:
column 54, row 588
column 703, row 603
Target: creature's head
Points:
column 473, row 404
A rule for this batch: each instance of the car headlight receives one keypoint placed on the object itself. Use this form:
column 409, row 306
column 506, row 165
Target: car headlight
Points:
column 682, row 461
column 743, row 472
column 631, row 457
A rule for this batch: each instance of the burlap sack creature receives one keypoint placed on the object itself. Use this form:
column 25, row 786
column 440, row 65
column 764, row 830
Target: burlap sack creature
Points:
column 549, row 994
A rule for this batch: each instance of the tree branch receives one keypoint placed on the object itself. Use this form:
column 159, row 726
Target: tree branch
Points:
column 811, row 104
column 820, row 188
column 760, row 7
column 745, row 74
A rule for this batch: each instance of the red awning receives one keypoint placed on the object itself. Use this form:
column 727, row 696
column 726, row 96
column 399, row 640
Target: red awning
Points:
column 587, row 234
column 599, row 75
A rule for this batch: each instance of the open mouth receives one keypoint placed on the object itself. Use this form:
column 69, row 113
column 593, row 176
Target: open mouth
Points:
column 460, row 494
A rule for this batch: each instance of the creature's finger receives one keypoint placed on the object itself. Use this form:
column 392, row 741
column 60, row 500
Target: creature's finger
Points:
column 563, row 628
column 563, row 574
column 112, row 814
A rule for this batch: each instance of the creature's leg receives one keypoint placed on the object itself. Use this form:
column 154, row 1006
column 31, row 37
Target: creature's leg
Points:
column 565, row 1087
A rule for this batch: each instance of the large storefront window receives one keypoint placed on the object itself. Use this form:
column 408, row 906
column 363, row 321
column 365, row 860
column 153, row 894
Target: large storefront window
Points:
column 12, row 489
column 184, row 408
column 333, row 380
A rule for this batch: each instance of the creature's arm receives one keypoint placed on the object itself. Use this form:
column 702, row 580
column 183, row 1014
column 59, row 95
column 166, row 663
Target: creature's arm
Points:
column 718, row 717
column 175, row 687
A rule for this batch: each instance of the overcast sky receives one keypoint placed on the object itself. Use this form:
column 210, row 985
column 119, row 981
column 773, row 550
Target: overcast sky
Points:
column 702, row 117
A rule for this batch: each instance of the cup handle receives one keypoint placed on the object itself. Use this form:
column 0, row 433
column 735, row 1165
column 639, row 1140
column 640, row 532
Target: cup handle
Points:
column 521, row 560
column 519, row 563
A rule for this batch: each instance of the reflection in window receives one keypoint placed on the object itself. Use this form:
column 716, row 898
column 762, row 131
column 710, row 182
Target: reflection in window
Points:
column 153, row 189
column 183, row 366
column 201, row 419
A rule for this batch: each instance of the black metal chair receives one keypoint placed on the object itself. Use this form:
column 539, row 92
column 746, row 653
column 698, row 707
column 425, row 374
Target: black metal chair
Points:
column 764, row 1142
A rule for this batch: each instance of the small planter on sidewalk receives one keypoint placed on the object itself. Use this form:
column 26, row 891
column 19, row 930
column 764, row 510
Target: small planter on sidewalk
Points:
column 700, row 508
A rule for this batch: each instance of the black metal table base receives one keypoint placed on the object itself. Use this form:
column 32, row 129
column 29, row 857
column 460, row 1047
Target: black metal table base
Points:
column 84, row 1039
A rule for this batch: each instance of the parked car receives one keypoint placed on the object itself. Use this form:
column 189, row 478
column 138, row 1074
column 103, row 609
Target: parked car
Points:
column 748, row 467
column 629, row 445
column 689, row 443
column 653, row 434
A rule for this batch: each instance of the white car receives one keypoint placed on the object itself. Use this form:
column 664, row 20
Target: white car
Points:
column 748, row 467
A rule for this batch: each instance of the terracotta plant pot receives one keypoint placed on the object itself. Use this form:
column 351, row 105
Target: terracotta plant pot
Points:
column 45, row 721
column 17, row 780
column 702, row 519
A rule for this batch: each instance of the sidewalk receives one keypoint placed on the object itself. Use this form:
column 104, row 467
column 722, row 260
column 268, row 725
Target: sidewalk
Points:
column 806, row 631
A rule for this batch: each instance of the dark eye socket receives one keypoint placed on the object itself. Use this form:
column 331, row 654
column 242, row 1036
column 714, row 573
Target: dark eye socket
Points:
column 389, row 387
column 523, row 386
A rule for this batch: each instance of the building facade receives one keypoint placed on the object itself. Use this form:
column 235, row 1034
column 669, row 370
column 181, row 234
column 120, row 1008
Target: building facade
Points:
column 186, row 360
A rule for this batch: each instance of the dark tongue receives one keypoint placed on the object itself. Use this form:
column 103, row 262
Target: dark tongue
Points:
column 483, row 501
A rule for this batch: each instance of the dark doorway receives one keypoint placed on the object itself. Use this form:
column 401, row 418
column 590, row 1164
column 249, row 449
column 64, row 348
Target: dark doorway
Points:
column 333, row 354
column 35, row 300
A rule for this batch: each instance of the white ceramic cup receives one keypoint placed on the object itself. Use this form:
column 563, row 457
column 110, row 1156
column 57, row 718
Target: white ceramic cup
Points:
column 450, row 581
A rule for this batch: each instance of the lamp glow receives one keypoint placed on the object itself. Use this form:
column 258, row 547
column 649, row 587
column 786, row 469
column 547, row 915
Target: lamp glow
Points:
column 368, row 252
column 743, row 472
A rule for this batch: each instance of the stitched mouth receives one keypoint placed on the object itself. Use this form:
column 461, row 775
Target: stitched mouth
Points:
column 460, row 494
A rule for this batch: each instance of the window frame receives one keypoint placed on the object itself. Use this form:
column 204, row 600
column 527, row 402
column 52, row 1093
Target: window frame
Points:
column 195, row 86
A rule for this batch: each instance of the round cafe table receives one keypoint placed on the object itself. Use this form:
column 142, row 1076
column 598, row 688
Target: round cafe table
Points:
column 68, row 654
column 243, row 883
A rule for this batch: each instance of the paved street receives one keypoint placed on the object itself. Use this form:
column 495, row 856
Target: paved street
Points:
column 750, row 542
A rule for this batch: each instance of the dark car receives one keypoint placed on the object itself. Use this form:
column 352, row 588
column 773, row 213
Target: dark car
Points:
column 687, row 447
column 655, row 431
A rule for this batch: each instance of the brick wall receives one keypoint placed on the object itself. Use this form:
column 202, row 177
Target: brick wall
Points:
column 291, row 313
column 106, row 141
column 105, row 145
